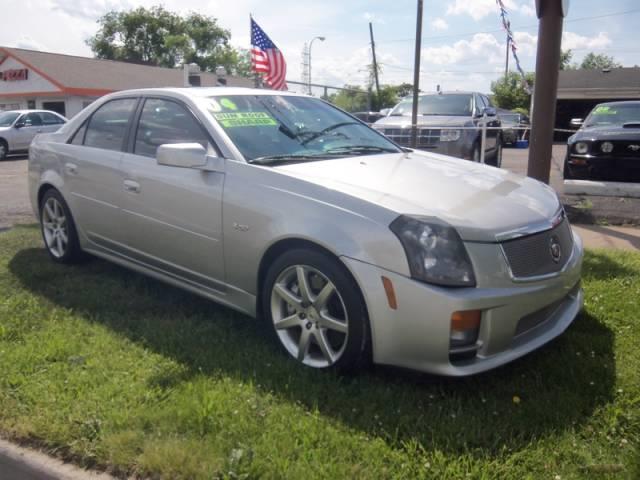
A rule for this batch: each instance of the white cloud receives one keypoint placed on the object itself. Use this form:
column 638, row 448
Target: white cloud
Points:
column 572, row 40
column 478, row 9
column 439, row 24
column 482, row 47
column 28, row 43
column 89, row 10
column 373, row 18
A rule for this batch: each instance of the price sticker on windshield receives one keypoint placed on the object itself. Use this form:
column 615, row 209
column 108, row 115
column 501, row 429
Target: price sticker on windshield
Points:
column 604, row 110
column 245, row 119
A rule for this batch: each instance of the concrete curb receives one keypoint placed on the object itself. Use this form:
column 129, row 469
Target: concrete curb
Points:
column 602, row 189
column 19, row 463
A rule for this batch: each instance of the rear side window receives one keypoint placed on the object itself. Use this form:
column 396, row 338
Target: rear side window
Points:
column 33, row 120
column 108, row 125
column 50, row 119
column 163, row 122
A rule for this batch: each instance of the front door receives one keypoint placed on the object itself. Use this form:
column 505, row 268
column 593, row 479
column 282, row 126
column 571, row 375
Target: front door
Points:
column 26, row 128
column 173, row 215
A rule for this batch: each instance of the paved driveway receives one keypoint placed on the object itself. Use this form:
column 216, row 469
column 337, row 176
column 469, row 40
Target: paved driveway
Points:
column 14, row 197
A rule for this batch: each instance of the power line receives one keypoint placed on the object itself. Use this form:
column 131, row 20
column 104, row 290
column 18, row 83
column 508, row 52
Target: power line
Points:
column 526, row 27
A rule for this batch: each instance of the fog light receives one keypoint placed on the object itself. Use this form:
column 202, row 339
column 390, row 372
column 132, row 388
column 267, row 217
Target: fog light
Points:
column 465, row 326
column 606, row 147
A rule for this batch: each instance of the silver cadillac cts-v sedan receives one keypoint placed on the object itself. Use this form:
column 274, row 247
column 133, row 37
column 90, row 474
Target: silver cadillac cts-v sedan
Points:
column 285, row 208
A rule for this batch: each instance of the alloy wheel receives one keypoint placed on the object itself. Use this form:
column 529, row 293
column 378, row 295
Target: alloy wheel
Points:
column 3, row 151
column 309, row 316
column 55, row 228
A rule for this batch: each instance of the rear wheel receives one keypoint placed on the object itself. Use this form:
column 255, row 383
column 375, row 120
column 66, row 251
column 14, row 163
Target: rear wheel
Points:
column 58, row 229
column 316, row 311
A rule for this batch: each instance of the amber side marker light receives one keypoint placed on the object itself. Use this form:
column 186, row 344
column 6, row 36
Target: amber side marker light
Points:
column 391, row 293
column 465, row 326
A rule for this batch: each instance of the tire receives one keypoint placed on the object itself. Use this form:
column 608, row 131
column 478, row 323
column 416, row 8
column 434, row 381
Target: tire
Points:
column 496, row 158
column 324, row 323
column 4, row 149
column 475, row 153
column 59, row 230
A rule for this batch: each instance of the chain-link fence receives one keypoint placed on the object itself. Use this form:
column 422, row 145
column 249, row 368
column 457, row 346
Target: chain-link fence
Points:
column 349, row 99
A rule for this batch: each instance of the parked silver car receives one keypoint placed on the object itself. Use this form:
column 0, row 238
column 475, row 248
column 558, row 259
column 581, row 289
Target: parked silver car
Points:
column 284, row 207
column 449, row 123
column 19, row 127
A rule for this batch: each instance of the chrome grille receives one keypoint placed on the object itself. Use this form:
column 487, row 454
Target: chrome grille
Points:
column 427, row 137
column 531, row 256
column 621, row 148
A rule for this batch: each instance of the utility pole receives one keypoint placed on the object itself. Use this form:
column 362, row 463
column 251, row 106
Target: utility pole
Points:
column 506, row 62
column 550, row 13
column 375, row 63
column 416, row 78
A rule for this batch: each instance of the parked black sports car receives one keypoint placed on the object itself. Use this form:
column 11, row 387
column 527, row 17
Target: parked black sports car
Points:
column 607, row 146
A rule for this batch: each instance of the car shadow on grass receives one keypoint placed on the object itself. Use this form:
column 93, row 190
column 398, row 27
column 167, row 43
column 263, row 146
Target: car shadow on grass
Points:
column 550, row 391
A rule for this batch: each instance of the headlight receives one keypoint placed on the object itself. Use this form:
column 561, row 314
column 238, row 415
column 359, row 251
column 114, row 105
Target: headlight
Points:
column 581, row 147
column 606, row 147
column 435, row 251
column 449, row 135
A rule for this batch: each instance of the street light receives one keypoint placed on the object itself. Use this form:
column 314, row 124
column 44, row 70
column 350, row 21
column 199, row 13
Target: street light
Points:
column 322, row 39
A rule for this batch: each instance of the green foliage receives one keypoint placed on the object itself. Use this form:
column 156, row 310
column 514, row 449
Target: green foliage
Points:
column 565, row 60
column 156, row 36
column 111, row 369
column 356, row 98
column 597, row 61
column 509, row 93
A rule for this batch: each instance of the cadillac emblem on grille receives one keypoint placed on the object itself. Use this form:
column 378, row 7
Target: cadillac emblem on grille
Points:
column 634, row 148
column 555, row 249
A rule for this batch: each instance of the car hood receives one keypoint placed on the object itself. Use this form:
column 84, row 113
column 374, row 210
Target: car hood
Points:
column 425, row 120
column 606, row 133
column 482, row 202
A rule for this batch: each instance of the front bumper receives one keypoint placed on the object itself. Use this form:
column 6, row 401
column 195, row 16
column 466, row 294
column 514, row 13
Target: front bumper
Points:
column 416, row 334
column 604, row 167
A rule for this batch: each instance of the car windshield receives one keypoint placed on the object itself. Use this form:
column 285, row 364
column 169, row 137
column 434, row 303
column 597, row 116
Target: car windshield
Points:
column 446, row 104
column 7, row 118
column 613, row 114
column 510, row 118
column 291, row 128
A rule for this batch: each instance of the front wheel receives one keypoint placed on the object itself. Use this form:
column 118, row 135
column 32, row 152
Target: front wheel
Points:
column 496, row 158
column 4, row 149
column 316, row 311
column 58, row 229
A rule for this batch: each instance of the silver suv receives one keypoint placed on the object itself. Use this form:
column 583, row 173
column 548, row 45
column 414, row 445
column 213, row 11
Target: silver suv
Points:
column 449, row 123
column 19, row 127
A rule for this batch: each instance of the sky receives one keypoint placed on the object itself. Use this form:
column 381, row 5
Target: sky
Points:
column 463, row 44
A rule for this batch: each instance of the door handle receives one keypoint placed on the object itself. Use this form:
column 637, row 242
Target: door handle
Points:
column 131, row 186
column 71, row 168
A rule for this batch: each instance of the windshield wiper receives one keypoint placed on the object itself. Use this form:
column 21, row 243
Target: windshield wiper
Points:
column 324, row 131
column 361, row 149
column 287, row 158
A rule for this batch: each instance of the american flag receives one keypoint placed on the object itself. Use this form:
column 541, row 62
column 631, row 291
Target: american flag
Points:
column 267, row 59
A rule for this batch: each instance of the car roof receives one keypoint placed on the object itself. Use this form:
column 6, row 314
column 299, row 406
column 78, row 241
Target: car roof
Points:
column 201, row 92
column 626, row 102
column 30, row 111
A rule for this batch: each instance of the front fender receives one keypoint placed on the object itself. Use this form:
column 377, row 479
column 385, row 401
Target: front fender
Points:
column 262, row 207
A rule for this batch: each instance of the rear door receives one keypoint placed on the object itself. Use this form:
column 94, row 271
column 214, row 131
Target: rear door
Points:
column 173, row 215
column 93, row 175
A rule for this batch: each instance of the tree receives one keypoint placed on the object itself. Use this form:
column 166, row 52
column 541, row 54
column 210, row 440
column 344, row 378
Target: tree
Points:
column 509, row 92
column 599, row 61
column 156, row 36
column 354, row 99
column 565, row 60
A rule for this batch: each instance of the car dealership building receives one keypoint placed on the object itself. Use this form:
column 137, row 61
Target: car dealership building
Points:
column 66, row 84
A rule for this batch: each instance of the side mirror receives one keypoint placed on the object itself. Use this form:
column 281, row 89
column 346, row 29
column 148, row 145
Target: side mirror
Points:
column 489, row 111
column 185, row 155
column 576, row 122
column 19, row 125
column 385, row 112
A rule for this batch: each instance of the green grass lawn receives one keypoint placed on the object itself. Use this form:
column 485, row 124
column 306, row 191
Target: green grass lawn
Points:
column 119, row 372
